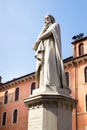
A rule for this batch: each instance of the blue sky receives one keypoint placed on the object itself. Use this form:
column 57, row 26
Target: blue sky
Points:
column 20, row 24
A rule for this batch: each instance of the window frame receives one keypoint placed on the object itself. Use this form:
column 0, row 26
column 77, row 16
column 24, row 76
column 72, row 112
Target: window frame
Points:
column 68, row 83
column 6, row 97
column 86, row 102
column 81, row 49
column 16, row 97
column 4, row 120
column 33, row 87
column 15, row 119
column 85, row 74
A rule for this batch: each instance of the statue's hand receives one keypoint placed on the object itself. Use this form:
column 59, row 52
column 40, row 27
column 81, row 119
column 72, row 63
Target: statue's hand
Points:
column 35, row 46
column 38, row 40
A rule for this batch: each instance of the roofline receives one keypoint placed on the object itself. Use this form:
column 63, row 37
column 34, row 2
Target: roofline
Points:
column 78, row 40
column 68, row 59
column 16, row 79
column 73, row 58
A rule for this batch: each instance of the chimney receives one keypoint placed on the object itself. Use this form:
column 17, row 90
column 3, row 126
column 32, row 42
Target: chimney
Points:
column 0, row 79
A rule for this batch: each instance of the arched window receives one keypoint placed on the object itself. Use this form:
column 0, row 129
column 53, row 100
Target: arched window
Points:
column 6, row 97
column 86, row 102
column 4, row 119
column 81, row 49
column 85, row 73
column 67, row 78
column 15, row 115
column 33, row 87
column 17, row 94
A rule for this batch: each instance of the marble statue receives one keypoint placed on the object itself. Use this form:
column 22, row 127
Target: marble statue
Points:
column 49, row 69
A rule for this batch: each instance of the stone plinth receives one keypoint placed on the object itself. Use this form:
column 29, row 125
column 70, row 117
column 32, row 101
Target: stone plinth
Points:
column 52, row 90
column 50, row 112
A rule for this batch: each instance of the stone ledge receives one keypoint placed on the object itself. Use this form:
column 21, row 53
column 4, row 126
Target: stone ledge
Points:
column 41, row 99
column 52, row 90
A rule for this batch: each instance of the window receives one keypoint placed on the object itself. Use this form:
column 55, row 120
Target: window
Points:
column 6, row 97
column 81, row 49
column 33, row 87
column 86, row 102
column 15, row 114
column 4, row 119
column 67, row 78
column 85, row 73
column 16, row 94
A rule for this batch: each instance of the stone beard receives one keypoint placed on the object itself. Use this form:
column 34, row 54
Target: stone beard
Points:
column 49, row 69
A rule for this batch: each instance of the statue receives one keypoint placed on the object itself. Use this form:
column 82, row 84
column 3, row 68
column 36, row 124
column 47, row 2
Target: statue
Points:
column 49, row 69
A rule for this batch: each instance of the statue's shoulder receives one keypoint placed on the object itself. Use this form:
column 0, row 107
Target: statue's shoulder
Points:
column 55, row 25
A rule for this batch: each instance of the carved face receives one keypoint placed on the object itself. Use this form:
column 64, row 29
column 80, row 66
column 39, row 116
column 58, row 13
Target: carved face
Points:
column 47, row 19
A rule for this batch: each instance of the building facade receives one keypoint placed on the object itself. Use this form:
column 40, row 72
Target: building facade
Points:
column 14, row 113
column 76, row 69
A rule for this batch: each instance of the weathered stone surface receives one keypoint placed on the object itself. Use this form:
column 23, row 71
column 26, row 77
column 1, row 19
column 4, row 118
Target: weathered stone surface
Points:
column 50, row 111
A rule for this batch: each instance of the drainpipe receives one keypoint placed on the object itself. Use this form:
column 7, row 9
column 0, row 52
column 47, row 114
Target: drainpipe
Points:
column 0, row 79
column 74, row 55
column 76, row 89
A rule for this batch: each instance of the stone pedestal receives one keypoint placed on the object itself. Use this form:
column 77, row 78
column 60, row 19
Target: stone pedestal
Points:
column 51, row 111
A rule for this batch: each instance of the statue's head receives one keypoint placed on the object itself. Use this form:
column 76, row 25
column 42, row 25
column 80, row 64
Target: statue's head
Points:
column 49, row 18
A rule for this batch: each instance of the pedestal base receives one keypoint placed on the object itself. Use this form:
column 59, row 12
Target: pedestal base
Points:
column 50, row 112
column 52, row 90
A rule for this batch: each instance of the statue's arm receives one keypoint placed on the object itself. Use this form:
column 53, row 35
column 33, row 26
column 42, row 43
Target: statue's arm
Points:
column 35, row 46
column 45, row 34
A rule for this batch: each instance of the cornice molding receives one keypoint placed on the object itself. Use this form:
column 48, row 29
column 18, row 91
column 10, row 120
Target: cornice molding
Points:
column 75, row 61
column 17, row 81
column 79, row 40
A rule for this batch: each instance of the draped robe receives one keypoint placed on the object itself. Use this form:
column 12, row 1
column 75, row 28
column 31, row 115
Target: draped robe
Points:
column 49, row 69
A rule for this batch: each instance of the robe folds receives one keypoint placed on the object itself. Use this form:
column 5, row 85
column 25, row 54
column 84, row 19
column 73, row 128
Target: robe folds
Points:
column 49, row 69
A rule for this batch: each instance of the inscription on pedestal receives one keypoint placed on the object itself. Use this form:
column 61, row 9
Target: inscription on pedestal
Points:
column 35, row 119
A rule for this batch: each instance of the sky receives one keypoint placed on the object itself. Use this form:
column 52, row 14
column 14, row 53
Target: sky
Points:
column 20, row 23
